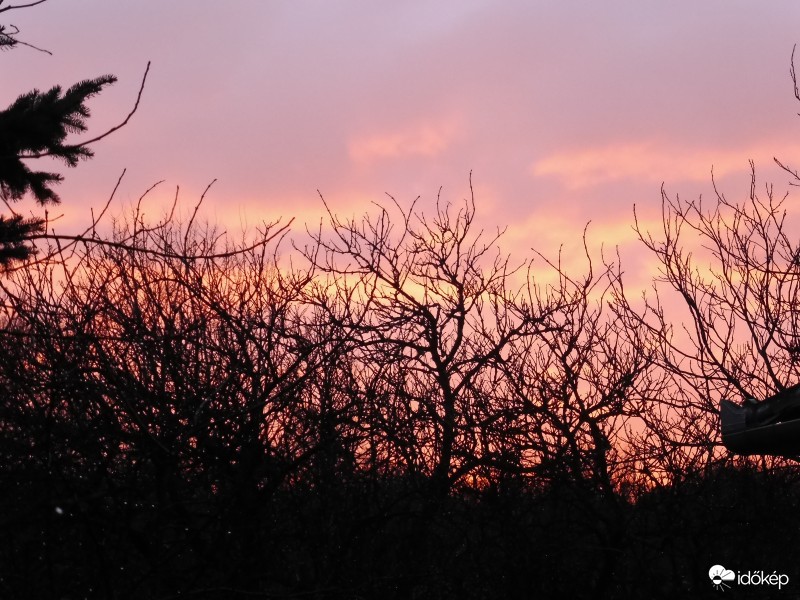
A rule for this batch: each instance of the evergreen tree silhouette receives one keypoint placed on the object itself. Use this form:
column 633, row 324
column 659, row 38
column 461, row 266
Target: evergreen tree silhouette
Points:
column 36, row 125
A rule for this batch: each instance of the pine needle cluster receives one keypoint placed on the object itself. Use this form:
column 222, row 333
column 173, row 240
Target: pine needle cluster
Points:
column 36, row 125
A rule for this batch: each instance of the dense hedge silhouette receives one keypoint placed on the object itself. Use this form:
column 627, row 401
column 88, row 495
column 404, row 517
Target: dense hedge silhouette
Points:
column 397, row 412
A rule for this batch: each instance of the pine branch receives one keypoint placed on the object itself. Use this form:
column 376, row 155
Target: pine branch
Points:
column 7, row 39
column 37, row 124
column 14, row 233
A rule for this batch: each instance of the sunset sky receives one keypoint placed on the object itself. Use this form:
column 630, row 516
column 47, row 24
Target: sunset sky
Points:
column 565, row 112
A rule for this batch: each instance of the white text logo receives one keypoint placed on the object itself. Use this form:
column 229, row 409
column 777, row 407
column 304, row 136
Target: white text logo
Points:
column 722, row 578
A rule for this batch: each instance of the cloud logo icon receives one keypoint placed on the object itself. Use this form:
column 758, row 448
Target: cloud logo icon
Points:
column 719, row 576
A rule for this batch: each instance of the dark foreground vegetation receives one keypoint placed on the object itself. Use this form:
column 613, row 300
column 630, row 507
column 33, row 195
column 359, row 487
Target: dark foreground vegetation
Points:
column 388, row 408
column 395, row 412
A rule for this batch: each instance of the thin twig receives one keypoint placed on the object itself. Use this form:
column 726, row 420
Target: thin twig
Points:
column 32, row 46
column 21, row 5
column 793, row 73
column 128, row 118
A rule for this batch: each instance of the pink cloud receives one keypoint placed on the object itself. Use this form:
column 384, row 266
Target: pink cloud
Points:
column 421, row 139
column 651, row 161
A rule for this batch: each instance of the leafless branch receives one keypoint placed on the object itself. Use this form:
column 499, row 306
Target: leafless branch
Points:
column 150, row 252
column 5, row 8
column 128, row 118
column 793, row 73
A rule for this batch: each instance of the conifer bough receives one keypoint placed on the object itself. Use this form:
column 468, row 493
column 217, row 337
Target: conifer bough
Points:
column 37, row 125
